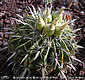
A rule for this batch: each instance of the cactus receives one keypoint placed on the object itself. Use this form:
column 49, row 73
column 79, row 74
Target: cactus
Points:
column 42, row 45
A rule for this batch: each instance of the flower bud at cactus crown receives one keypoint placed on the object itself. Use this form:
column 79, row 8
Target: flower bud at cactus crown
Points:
column 48, row 14
column 40, row 23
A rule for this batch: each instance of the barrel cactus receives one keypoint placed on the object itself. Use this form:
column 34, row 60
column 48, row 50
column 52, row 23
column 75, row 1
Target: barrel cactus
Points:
column 42, row 43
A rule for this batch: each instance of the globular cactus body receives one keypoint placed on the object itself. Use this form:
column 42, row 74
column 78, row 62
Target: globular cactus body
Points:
column 44, row 43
